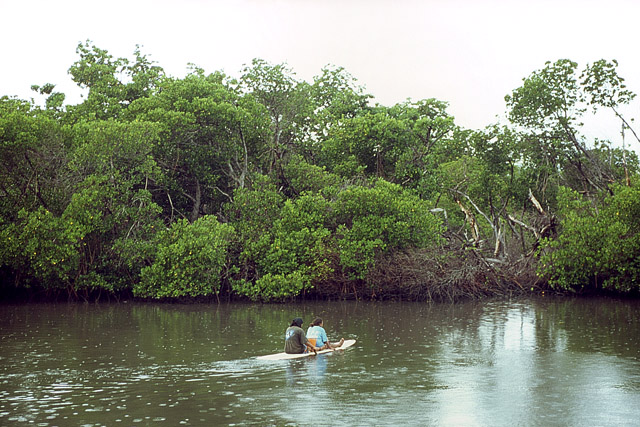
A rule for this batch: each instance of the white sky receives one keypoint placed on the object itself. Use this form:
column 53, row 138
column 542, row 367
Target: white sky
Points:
column 470, row 53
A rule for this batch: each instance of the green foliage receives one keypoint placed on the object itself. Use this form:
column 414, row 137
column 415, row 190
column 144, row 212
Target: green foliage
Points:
column 120, row 222
column 33, row 160
column 434, row 139
column 338, row 95
column 291, row 250
column 253, row 211
column 189, row 261
column 291, row 253
column 113, row 148
column 103, row 167
column 597, row 247
column 550, row 105
column 375, row 140
column 305, row 177
column 378, row 220
column 315, row 186
column 115, row 157
column 76, row 250
column 43, row 247
column 207, row 136
column 113, row 83
column 290, row 107
column 402, row 144
column 604, row 86
column 272, row 286
column 54, row 100
column 548, row 99
column 492, row 179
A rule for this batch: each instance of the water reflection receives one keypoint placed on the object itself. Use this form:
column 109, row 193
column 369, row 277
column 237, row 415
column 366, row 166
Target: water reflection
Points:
column 534, row 362
column 316, row 368
column 310, row 370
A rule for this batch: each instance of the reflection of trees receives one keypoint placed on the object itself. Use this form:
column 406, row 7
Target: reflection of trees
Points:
column 588, row 324
column 538, row 358
column 474, row 330
column 577, row 339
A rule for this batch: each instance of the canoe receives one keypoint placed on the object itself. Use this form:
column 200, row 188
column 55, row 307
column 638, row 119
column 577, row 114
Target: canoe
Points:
column 285, row 356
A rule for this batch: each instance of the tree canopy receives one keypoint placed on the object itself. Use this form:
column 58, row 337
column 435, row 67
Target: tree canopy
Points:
column 268, row 187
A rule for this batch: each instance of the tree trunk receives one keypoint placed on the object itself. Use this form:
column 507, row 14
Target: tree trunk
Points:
column 196, row 203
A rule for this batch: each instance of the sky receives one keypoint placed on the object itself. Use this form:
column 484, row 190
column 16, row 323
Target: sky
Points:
column 470, row 53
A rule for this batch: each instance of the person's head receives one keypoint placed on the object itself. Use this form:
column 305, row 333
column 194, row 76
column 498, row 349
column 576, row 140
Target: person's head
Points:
column 297, row 322
column 316, row 322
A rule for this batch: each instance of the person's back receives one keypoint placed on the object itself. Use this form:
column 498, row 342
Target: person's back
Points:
column 318, row 334
column 295, row 339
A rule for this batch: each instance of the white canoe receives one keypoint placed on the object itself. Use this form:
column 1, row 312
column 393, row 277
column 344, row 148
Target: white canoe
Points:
column 284, row 356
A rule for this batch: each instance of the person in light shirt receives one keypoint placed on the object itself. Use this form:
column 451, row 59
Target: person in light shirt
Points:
column 318, row 336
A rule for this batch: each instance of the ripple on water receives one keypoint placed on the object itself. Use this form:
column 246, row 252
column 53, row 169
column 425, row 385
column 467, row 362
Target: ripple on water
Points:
column 457, row 363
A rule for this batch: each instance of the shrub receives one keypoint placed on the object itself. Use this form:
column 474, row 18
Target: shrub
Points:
column 292, row 254
column 189, row 261
column 596, row 247
column 380, row 219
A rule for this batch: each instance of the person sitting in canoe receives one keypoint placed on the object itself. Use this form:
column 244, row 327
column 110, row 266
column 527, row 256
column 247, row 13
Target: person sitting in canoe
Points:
column 295, row 339
column 318, row 336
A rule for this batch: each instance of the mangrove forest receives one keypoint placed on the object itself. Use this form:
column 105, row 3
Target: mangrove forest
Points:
column 266, row 187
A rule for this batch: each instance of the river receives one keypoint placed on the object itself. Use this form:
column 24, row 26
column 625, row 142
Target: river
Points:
column 540, row 361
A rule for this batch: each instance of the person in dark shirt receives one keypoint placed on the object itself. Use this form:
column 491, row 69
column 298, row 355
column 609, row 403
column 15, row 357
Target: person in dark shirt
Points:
column 295, row 339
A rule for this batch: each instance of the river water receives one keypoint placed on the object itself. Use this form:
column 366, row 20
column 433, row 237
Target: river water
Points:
column 543, row 361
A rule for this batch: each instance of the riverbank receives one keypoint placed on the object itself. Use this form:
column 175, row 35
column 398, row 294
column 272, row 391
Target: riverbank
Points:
column 420, row 276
